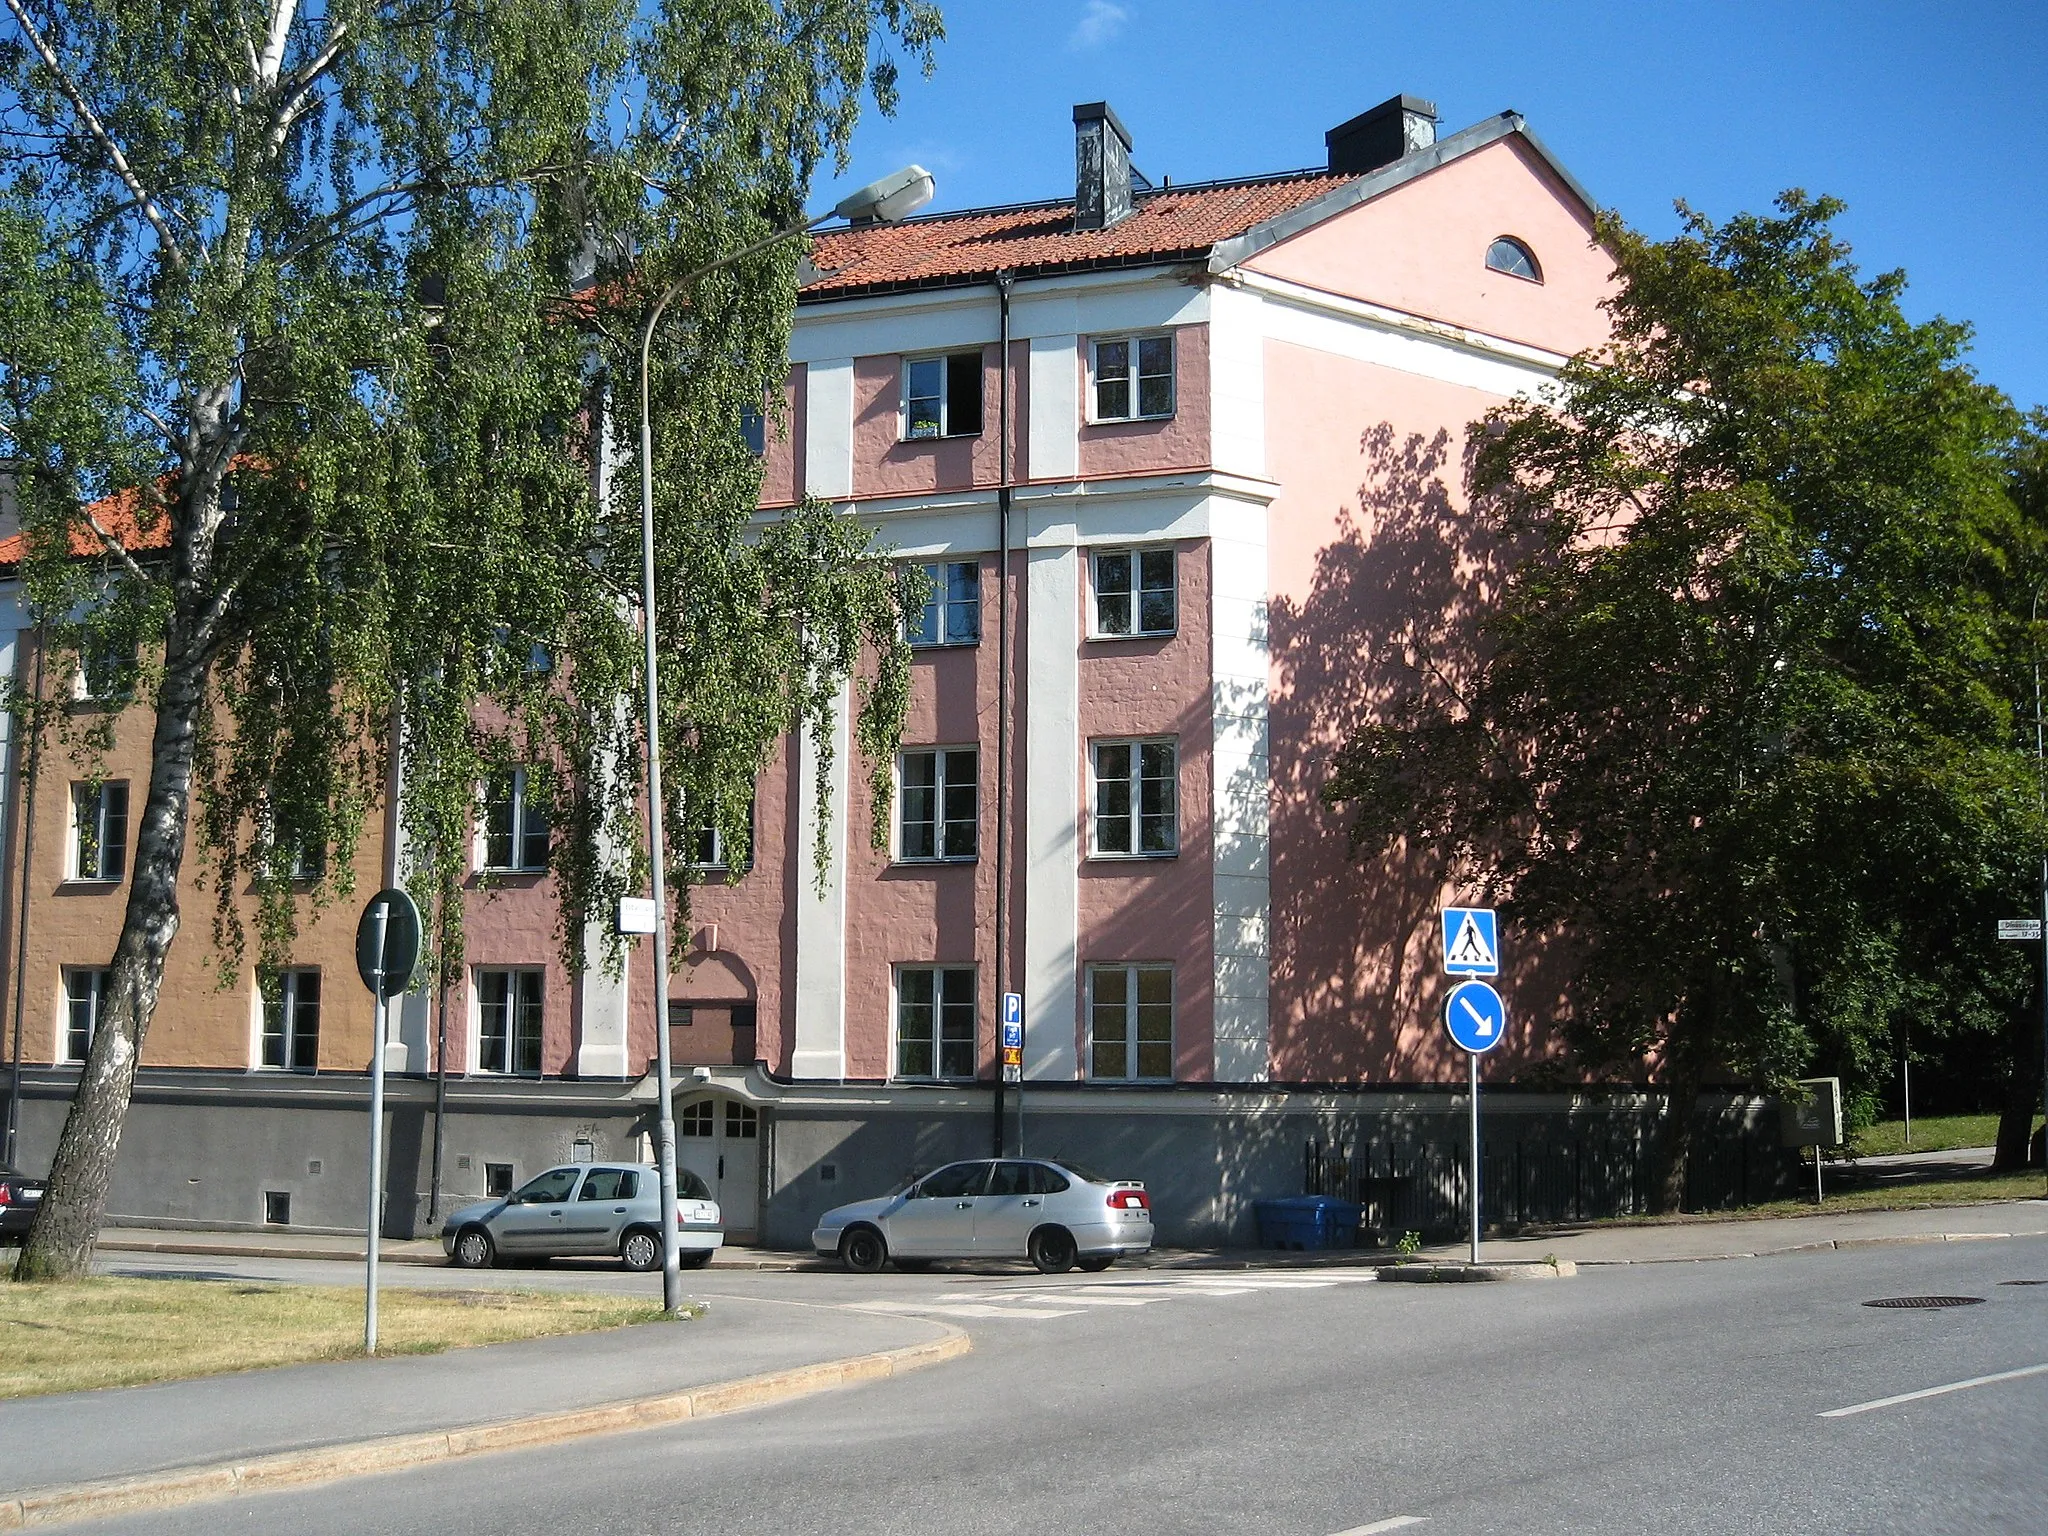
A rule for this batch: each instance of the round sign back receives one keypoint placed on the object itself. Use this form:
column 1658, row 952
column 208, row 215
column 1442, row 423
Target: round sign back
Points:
column 388, row 972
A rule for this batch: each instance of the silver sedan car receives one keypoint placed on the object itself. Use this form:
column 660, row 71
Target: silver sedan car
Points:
column 1050, row 1213
column 578, row 1209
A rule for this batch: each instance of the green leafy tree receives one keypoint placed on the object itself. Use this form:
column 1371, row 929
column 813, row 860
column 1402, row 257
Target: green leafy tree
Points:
column 312, row 308
column 1741, row 736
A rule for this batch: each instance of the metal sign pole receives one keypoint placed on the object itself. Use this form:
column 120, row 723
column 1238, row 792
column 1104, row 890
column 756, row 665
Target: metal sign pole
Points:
column 1474, row 1059
column 372, row 1219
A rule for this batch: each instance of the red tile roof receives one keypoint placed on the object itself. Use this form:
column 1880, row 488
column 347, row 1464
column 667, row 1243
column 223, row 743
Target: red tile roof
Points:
column 118, row 514
column 1180, row 223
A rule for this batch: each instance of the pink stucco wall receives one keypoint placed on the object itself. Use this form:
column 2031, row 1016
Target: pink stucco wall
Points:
column 1156, row 909
column 1422, row 249
column 1181, row 441
column 782, row 466
column 1374, row 559
column 885, row 465
column 938, row 914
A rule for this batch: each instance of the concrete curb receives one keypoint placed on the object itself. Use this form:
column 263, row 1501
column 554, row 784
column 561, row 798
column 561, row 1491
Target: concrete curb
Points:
column 1451, row 1274
column 433, row 1260
column 1904, row 1239
column 297, row 1469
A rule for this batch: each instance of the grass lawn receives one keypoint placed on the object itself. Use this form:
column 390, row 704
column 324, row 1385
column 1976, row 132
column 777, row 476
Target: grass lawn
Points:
column 1937, row 1133
column 117, row 1333
column 1964, row 1189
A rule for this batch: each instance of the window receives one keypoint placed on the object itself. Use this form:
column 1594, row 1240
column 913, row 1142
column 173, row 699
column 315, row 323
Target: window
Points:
column 942, row 396
column 609, row 1184
column 953, row 1183
column 508, row 1027
column 710, row 853
column 741, row 1123
column 85, row 996
column 680, row 1015
column 497, row 1180
column 936, row 804
column 106, row 670
column 1134, row 378
column 1130, row 1022
column 547, row 1188
column 1136, row 798
column 308, row 860
column 291, row 1020
column 935, row 1021
column 515, row 827
column 1134, row 591
column 1509, row 255
column 699, row 1119
column 952, row 606
column 1027, row 1179
column 754, row 432
column 99, row 831
column 277, row 1208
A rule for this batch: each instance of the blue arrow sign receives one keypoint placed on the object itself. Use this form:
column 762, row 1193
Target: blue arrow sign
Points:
column 1475, row 1016
column 1013, row 1021
column 1471, row 942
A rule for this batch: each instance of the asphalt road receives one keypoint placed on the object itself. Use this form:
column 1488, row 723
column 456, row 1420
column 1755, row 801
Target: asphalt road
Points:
column 1674, row 1398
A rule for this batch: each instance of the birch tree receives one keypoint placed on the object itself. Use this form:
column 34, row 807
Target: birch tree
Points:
column 307, row 311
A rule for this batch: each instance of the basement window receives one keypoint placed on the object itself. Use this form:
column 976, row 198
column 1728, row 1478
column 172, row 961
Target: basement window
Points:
column 277, row 1208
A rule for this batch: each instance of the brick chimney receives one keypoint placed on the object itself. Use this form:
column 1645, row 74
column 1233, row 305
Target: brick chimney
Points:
column 1102, row 167
column 1398, row 126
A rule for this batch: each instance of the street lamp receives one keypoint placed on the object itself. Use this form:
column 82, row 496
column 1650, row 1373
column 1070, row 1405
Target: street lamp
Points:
column 895, row 196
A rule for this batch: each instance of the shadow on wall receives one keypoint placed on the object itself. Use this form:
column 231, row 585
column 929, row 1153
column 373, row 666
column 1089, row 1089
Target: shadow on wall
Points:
column 1393, row 609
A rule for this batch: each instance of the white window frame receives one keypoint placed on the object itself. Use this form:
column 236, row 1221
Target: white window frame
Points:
column 945, row 360
column 941, row 606
column 942, row 788
column 115, row 663
column 717, row 863
column 96, row 980
column 939, row 1041
column 1135, row 593
column 1132, row 376
column 1134, row 780
column 523, row 831
column 515, row 976
column 89, row 864
column 291, row 1002
column 1132, row 971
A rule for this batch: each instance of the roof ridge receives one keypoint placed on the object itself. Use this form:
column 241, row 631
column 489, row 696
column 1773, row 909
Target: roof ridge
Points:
column 1138, row 198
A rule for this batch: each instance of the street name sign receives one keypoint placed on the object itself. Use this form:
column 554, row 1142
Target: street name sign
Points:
column 638, row 914
column 2019, row 928
column 1471, row 942
column 1476, row 1017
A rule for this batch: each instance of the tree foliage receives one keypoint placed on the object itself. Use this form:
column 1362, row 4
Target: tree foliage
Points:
column 1742, row 738
column 314, row 305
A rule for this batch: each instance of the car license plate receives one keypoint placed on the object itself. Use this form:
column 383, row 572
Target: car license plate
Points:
column 31, row 1196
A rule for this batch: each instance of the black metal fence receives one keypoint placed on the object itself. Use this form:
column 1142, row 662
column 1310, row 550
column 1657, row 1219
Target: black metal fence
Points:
column 1602, row 1167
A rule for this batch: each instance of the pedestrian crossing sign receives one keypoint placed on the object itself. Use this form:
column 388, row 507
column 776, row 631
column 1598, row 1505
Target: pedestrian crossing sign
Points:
column 1471, row 942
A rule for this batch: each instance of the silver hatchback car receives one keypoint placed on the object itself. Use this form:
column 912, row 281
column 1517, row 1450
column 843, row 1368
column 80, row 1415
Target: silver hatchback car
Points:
column 1050, row 1213
column 586, row 1209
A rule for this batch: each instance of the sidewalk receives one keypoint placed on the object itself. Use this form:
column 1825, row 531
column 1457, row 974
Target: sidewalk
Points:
column 1597, row 1244
column 288, row 1413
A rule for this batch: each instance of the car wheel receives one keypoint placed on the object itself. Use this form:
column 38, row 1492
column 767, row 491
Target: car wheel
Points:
column 699, row 1258
column 1052, row 1250
column 1096, row 1263
column 641, row 1250
column 913, row 1266
column 863, row 1251
column 474, row 1249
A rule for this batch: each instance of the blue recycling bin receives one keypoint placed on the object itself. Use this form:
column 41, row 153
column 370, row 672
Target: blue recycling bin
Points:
column 1307, row 1222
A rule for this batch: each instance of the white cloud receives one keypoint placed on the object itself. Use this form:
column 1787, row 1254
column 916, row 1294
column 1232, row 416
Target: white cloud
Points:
column 1100, row 22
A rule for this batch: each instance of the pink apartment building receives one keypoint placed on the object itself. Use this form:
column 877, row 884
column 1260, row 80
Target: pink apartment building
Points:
column 1219, row 430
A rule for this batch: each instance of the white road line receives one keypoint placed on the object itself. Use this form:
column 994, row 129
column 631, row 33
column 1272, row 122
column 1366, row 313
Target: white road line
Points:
column 1086, row 1299
column 1391, row 1523
column 958, row 1309
column 1954, row 1386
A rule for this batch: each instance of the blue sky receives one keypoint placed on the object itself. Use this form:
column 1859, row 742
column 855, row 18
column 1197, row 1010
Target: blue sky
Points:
column 1927, row 119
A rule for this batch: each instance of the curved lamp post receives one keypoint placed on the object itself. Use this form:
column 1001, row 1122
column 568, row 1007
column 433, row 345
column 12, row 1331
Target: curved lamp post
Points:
column 895, row 196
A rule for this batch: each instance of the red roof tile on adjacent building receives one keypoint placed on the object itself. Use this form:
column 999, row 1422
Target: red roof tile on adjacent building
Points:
column 118, row 514
column 1178, row 223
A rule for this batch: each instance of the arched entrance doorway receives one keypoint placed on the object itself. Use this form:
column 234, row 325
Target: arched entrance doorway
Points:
column 719, row 1139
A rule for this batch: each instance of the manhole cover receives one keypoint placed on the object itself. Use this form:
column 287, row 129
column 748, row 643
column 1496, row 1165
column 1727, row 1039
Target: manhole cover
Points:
column 1927, row 1302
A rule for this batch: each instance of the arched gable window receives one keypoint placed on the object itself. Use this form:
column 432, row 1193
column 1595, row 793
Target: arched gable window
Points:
column 1509, row 255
